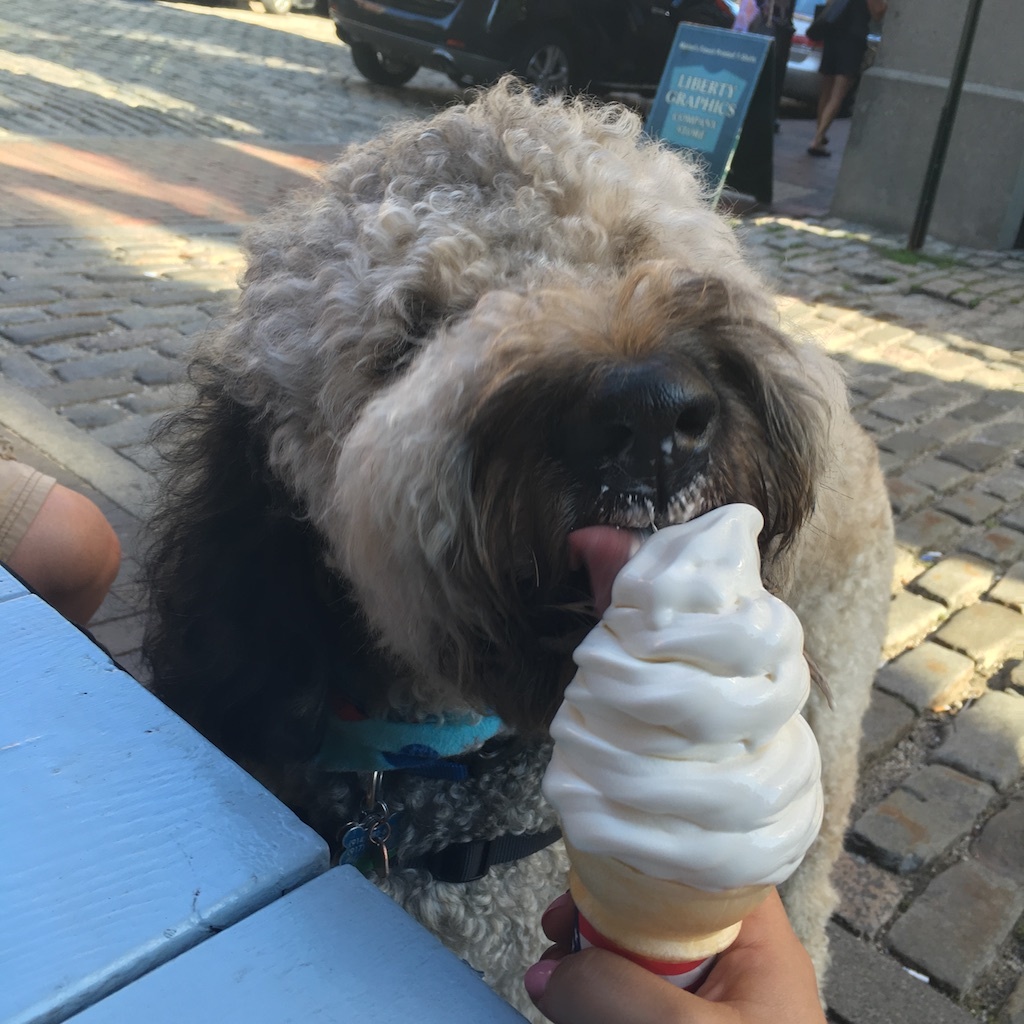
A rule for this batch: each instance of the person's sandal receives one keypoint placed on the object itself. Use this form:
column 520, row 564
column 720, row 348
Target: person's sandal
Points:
column 818, row 151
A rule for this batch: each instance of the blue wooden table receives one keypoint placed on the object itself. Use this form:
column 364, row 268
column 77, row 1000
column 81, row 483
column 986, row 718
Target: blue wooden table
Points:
column 145, row 877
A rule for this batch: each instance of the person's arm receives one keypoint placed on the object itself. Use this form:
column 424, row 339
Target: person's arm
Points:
column 877, row 9
column 764, row 977
column 69, row 554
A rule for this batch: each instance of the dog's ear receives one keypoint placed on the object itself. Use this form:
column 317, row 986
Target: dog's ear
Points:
column 793, row 414
column 242, row 612
column 796, row 423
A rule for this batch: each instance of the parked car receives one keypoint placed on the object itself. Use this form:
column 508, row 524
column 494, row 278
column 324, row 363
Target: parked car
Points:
column 600, row 45
column 284, row 6
column 802, row 81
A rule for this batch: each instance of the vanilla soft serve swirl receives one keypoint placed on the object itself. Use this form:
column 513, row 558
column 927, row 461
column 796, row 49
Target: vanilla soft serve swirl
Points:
column 679, row 748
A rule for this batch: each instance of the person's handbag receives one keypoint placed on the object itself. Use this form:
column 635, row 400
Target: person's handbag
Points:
column 816, row 29
column 761, row 23
column 824, row 15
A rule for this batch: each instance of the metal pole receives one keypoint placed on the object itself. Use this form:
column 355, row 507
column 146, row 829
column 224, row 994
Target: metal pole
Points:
column 944, row 129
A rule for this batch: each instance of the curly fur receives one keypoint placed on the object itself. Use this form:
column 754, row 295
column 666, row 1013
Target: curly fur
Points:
column 371, row 492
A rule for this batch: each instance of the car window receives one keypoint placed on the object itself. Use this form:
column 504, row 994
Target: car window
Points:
column 806, row 7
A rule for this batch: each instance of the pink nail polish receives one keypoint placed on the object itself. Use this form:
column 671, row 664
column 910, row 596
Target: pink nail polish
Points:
column 537, row 977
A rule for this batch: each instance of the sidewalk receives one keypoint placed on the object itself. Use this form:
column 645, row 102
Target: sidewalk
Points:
column 117, row 246
column 804, row 184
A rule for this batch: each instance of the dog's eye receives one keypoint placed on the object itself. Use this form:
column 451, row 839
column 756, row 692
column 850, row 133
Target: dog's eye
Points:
column 391, row 357
column 422, row 320
column 394, row 354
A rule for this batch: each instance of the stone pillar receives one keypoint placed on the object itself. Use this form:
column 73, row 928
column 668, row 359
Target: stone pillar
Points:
column 980, row 200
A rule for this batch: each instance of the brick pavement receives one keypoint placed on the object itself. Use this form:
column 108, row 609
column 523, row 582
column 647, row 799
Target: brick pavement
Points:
column 138, row 140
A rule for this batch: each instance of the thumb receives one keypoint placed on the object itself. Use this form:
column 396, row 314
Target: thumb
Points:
column 598, row 987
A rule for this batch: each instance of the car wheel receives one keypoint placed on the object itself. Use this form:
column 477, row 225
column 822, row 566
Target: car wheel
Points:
column 277, row 6
column 380, row 68
column 546, row 65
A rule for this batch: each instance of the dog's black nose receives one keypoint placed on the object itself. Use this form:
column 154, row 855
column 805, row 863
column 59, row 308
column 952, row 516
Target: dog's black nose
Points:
column 641, row 430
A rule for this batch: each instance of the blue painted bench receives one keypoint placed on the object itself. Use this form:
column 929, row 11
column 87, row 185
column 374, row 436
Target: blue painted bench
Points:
column 146, row 877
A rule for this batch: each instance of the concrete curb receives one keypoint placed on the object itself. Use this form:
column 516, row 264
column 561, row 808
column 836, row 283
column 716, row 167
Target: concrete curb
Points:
column 110, row 473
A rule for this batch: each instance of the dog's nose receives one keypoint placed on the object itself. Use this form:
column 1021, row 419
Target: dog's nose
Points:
column 641, row 430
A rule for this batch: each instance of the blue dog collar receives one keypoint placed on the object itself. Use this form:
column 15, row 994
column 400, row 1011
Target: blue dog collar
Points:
column 356, row 743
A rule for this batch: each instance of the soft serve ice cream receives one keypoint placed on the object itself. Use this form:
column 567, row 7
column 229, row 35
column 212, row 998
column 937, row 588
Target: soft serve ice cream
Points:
column 685, row 777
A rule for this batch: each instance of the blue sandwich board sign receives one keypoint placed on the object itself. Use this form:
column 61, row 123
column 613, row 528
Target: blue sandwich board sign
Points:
column 717, row 99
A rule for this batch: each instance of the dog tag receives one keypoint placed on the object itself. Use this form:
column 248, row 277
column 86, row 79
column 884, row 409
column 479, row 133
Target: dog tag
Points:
column 379, row 835
column 364, row 841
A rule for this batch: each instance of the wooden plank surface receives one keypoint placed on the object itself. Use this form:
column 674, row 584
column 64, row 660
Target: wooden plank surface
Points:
column 335, row 950
column 9, row 586
column 125, row 838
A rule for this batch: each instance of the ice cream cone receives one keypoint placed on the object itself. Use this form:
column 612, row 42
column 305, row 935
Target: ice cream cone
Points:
column 685, row 778
column 655, row 918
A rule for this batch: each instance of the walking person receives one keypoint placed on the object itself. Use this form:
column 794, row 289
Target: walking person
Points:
column 780, row 18
column 842, row 54
column 770, row 18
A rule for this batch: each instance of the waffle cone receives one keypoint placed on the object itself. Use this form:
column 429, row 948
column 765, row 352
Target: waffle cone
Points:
column 654, row 917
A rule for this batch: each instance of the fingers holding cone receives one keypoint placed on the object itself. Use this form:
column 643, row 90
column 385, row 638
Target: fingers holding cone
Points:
column 764, row 977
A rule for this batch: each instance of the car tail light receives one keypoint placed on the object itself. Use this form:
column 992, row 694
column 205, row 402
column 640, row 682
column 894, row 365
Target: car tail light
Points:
column 455, row 44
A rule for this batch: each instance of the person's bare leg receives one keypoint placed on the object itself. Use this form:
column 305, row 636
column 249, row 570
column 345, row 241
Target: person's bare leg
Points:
column 829, row 104
column 69, row 555
column 827, row 82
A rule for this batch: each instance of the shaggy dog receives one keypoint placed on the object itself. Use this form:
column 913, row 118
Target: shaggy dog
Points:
column 477, row 335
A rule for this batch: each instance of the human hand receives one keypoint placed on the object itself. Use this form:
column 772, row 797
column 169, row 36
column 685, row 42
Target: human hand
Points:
column 764, row 977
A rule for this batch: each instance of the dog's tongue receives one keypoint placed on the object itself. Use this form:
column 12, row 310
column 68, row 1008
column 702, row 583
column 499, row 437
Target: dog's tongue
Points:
column 603, row 550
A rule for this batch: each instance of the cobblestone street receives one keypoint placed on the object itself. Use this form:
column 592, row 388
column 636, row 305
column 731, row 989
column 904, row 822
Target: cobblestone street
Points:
column 138, row 138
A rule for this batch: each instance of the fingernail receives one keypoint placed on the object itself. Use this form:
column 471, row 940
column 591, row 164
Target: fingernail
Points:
column 556, row 904
column 537, row 977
